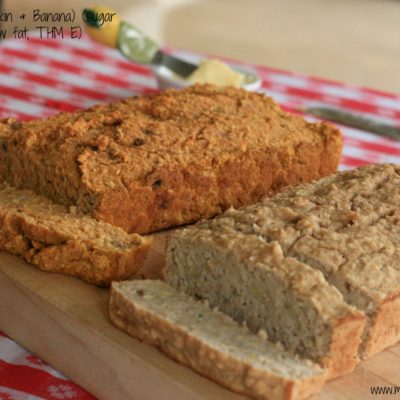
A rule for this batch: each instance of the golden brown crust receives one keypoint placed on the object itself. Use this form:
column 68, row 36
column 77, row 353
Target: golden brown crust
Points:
column 188, row 194
column 191, row 351
column 163, row 160
column 346, row 340
column 385, row 328
column 54, row 240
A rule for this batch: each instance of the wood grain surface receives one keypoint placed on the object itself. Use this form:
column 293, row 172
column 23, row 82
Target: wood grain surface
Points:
column 64, row 321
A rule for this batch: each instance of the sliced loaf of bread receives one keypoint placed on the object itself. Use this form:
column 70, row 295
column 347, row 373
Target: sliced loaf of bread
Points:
column 58, row 239
column 347, row 226
column 210, row 342
column 363, row 266
column 338, row 225
column 252, row 281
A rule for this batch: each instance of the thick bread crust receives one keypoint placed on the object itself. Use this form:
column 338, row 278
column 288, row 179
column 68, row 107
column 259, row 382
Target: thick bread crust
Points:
column 346, row 340
column 158, row 161
column 385, row 327
column 191, row 351
column 189, row 193
column 53, row 252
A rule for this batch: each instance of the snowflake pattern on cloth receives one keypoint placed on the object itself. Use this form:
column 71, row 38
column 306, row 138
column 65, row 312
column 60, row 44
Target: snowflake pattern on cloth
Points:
column 62, row 392
column 23, row 376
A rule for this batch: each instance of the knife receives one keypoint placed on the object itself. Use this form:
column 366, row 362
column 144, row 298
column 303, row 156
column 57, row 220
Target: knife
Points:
column 355, row 121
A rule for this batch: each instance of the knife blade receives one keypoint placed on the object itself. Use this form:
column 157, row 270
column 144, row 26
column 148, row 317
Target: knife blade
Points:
column 355, row 121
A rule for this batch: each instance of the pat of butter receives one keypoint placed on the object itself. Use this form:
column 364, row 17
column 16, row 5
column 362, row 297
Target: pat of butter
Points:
column 216, row 72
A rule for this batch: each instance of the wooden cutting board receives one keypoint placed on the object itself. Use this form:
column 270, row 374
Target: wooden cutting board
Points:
column 64, row 321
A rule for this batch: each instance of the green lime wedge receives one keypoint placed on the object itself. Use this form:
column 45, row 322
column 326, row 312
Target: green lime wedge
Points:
column 134, row 45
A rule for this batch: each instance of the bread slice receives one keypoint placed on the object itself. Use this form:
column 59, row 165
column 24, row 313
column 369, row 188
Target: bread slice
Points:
column 252, row 281
column 210, row 342
column 158, row 161
column 57, row 239
column 345, row 225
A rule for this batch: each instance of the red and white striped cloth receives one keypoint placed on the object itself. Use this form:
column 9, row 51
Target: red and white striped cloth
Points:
column 25, row 377
column 42, row 77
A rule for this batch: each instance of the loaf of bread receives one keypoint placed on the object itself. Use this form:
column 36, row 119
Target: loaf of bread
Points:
column 57, row 239
column 358, row 250
column 163, row 160
column 210, row 342
column 346, row 226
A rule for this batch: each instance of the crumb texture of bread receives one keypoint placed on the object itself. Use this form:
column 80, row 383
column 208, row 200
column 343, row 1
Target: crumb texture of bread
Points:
column 253, row 282
column 56, row 238
column 163, row 160
column 345, row 227
column 210, row 342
